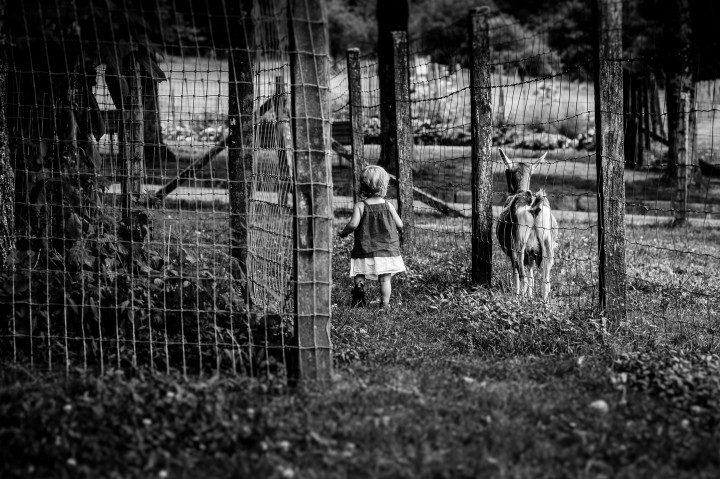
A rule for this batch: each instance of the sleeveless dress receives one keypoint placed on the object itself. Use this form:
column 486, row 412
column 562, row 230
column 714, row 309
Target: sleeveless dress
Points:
column 377, row 244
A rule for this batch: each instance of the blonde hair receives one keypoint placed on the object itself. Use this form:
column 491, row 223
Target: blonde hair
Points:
column 374, row 181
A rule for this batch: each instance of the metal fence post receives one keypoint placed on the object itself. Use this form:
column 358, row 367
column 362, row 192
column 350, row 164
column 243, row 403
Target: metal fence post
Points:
column 481, row 130
column 609, row 157
column 404, row 133
column 356, row 118
column 310, row 98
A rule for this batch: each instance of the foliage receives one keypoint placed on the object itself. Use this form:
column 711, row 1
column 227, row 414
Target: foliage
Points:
column 689, row 381
column 72, row 253
column 453, row 382
column 135, row 426
column 116, row 297
column 56, row 118
column 351, row 25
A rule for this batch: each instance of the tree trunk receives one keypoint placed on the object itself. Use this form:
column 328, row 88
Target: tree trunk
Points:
column 7, row 179
column 391, row 17
column 679, row 68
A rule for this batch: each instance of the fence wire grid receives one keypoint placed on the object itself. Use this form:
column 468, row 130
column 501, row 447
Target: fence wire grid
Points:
column 544, row 101
column 118, row 124
column 118, row 127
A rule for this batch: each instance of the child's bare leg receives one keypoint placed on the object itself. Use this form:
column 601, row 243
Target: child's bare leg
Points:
column 385, row 288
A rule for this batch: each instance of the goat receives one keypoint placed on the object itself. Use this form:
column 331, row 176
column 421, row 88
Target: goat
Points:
column 527, row 230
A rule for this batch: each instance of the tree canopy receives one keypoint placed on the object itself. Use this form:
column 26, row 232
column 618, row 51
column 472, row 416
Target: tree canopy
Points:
column 568, row 24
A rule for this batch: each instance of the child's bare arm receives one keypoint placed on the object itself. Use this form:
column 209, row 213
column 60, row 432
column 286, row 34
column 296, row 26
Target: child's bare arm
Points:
column 396, row 217
column 354, row 221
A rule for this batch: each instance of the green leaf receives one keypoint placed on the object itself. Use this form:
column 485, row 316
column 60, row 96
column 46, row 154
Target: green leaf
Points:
column 21, row 283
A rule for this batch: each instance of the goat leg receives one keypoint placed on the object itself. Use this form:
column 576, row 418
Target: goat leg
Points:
column 531, row 281
column 519, row 269
column 547, row 266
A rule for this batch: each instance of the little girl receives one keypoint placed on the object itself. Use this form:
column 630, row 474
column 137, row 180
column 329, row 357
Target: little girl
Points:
column 376, row 254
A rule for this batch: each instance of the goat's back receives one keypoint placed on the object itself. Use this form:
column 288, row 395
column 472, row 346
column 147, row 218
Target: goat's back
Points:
column 545, row 224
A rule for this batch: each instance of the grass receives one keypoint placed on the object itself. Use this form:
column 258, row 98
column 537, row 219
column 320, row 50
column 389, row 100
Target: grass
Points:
column 453, row 382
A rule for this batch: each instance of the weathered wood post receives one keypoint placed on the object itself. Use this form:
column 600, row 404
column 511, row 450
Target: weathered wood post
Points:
column 7, row 177
column 240, row 129
column 481, row 131
column 132, row 140
column 404, row 135
column 310, row 117
column 609, row 157
column 683, row 173
column 356, row 118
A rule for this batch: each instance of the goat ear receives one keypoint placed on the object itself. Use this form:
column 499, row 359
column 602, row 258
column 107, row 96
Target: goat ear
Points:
column 505, row 158
column 538, row 162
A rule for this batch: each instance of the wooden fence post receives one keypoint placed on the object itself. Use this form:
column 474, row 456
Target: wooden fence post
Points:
column 683, row 176
column 481, row 131
column 356, row 118
column 7, row 176
column 310, row 99
column 609, row 158
column 404, row 133
column 132, row 141
column 240, row 128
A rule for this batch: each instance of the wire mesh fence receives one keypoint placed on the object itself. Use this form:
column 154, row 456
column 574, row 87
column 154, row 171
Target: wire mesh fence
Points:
column 546, row 105
column 544, row 100
column 120, row 132
column 119, row 123
column 671, row 191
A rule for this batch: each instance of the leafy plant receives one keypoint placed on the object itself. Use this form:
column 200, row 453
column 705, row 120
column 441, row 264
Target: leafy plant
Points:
column 690, row 381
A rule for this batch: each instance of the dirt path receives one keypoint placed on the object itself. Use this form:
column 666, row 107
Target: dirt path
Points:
column 344, row 203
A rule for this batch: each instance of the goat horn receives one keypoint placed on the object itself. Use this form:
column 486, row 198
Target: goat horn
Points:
column 538, row 162
column 505, row 158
